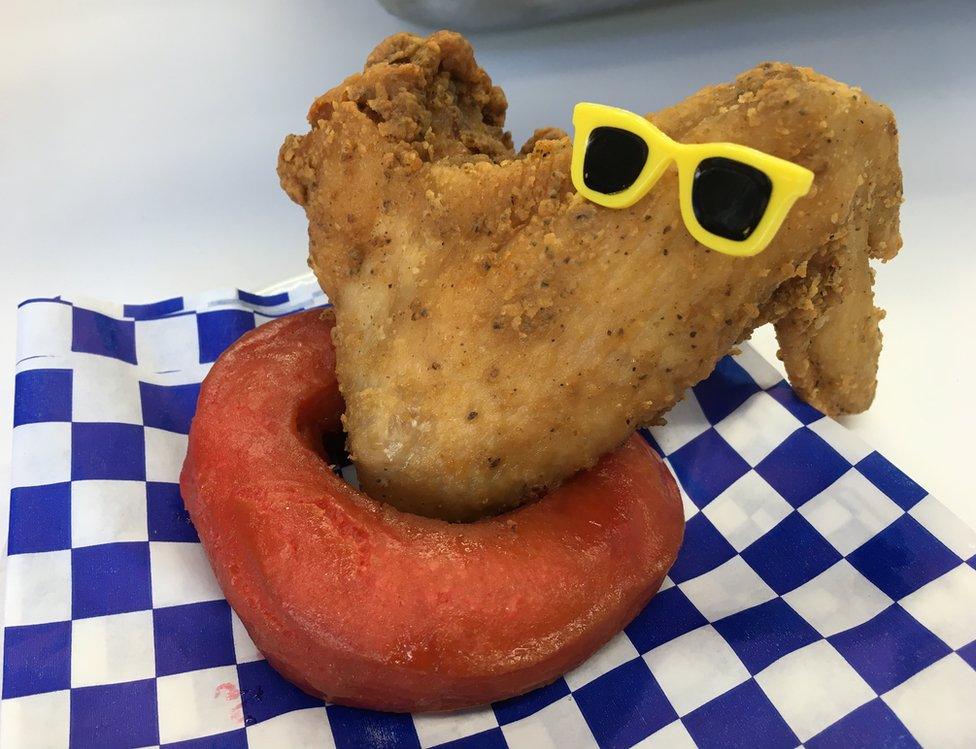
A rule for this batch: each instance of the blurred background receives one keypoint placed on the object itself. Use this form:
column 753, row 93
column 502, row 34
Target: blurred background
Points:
column 138, row 143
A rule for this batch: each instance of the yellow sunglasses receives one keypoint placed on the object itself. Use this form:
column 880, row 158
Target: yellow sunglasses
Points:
column 733, row 198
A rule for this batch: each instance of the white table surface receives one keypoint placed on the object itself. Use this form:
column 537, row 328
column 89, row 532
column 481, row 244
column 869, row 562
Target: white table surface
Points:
column 138, row 143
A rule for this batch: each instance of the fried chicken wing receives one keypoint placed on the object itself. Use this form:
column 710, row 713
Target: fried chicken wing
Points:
column 496, row 332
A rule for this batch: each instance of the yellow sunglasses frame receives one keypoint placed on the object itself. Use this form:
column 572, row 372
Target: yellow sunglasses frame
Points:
column 790, row 181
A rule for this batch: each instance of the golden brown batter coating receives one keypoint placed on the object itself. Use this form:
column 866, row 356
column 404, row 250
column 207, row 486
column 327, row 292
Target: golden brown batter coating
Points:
column 497, row 332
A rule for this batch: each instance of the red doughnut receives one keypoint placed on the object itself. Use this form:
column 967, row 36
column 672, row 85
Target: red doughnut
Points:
column 367, row 606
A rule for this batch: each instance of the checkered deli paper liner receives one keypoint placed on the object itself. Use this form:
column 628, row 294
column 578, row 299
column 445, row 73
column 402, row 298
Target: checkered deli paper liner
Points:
column 821, row 596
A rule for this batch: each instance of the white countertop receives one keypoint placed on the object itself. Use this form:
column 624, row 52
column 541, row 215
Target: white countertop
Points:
column 138, row 144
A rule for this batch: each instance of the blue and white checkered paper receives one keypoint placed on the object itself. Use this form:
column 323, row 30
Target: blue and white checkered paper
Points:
column 821, row 596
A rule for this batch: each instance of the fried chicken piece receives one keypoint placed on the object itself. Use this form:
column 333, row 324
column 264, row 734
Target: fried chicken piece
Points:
column 497, row 332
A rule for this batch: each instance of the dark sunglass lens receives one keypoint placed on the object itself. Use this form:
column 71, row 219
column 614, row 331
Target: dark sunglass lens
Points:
column 614, row 159
column 729, row 198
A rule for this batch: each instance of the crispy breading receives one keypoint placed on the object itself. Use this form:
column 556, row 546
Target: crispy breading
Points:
column 497, row 332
